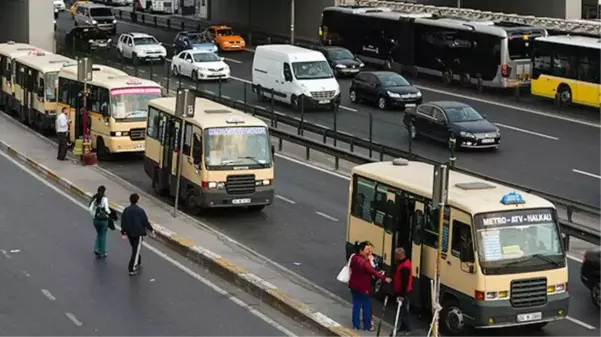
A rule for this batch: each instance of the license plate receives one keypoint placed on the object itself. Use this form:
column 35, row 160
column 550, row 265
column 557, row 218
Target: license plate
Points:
column 240, row 201
column 535, row 316
column 412, row 105
column 324, row 102
column 488, row 141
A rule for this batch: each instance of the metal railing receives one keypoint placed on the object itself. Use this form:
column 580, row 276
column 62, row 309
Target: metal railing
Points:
column 323, row 135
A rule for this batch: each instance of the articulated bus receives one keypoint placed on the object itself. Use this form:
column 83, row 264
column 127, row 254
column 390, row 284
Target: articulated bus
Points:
column 227, row 159
column 36, row 88
column 567, row 69
column 492, row 54
column 503, row 262
column 8, row 52
column 117, row 105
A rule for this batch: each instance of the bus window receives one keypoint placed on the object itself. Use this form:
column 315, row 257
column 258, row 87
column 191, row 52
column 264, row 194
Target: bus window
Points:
column 461, row 242
column 197, row 149
column 153, row 123
column 363, row 196
column 430, row 226
column 379, row 205
column 186, row 150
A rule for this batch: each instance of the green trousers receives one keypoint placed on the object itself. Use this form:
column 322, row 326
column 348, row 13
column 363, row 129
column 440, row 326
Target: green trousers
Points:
column 100, row 242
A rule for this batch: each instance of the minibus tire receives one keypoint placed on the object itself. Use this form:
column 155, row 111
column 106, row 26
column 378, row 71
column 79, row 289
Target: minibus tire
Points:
column 101, row 150
column 449, row 305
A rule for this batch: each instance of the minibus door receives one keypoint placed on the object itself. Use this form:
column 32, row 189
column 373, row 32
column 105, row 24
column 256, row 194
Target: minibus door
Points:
column 416, row 221
column 167, row 178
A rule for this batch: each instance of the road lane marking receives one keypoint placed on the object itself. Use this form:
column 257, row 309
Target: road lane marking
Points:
column 579, row 322
column 226, row 97
column 5, row 253
column 158, row 252
column 586, row 173
column 542, row 135
column 48, row 295
column 574, row 258
column 329, row 217
column 233, row 60
column 285, row 199
column 26, row 273
column 73, row 319
column 347, row 108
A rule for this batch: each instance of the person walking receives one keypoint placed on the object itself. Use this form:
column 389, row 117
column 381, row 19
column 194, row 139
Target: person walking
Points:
column 100, row 211
column 62, row 127
column 403, row 284
column 360, row 283
column 134, row 224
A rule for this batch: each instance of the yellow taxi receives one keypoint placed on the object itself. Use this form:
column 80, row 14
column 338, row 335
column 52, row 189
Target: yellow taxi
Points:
column 74, row 7
column 225, row 38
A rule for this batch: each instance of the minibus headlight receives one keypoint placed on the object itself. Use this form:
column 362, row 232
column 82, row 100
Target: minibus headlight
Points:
column 212, row 184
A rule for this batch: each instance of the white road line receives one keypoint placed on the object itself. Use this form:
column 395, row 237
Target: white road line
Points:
column 142, row 70
column 329, row 217
column 5, row 253
column 586, row 173
column 526, row 131
column 48, row 295
column 73, row 319
column 233, row 60
column 26, row 273
column 226, row 96
column 240, row 79
column 166, row 257
column 347, row 108
column 581, row 323
column 317, row 168
column 575, row 258
column 285, row 199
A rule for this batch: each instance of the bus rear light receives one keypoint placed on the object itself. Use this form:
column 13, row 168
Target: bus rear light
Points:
column 505, row 70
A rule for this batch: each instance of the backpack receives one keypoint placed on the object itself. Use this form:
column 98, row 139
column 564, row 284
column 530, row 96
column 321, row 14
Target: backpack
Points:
column 100, row 212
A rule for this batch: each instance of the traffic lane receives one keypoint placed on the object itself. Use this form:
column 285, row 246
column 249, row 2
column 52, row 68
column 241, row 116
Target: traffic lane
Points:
column 304, row 230
column 581, row 304
column 57, row 253
column 25, row 310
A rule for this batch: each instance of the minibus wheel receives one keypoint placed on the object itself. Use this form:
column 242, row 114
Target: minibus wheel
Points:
column 101, row 150
column 192, row 204
column 452, row 317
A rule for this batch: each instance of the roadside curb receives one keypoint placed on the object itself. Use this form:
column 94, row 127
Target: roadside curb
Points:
column 214, row 263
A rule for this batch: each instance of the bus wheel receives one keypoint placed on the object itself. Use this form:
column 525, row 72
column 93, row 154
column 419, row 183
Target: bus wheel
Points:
column 564, row 95
column 101, row 150
column 192, row 204
column 452, row 317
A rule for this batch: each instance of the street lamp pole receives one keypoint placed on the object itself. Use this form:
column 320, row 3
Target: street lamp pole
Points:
column 292, row 20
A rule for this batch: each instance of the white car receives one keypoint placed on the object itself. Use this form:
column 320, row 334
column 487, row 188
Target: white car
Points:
column 142, row 46
column 59, row 5
column 200, row 65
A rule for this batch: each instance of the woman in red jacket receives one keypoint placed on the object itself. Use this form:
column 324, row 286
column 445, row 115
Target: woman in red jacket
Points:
column 360, row 284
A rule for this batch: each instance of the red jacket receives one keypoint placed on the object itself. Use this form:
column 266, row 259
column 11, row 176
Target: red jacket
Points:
column 362, row 274
column 403, row 280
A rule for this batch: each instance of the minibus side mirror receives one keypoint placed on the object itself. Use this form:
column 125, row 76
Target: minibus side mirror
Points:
column 104, row 111
column 272, row 151
column 466, row 255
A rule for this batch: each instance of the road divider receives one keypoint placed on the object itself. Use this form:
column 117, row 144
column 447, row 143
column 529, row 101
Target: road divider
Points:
column 212, row 262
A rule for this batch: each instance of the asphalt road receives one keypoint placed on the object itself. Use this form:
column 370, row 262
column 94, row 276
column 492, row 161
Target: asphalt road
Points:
column 53, row 285
column 548, row 154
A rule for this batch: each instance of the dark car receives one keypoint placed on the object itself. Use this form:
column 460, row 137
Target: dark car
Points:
column 87, row 39
column 192, row 40
column 589, row 273
column 444, row 120
column 342, row 61
column 385, row 88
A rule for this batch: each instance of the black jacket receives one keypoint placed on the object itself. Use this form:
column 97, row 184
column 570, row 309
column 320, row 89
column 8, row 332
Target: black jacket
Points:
column 134, row 222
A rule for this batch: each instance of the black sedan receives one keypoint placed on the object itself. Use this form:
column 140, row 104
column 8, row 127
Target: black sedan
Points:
column 589, row 273
column 385, row 88
column 342, row 61
column 443, row 121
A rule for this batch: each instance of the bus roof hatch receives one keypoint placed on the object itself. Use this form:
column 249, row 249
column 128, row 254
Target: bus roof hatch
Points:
column 400, row 162
column 474, row 186
column 218, row 111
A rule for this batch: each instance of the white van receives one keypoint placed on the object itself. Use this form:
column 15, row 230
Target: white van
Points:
column 294, row 73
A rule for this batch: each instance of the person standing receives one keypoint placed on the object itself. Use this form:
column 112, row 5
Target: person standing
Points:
column 403, row 284
column 100, row 211
column 134, row 224
column 360, row 284
column 62, row 127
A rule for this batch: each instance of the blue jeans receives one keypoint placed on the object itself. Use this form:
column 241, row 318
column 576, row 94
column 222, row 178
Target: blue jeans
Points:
column 100, row 242
column 361, row 302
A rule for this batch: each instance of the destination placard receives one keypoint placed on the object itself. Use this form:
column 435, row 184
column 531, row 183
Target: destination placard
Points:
column 515, row 218
column 237, row 131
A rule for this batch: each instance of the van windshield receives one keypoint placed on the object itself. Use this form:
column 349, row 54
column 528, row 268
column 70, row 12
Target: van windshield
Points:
column 312, row 70
column 99, row 12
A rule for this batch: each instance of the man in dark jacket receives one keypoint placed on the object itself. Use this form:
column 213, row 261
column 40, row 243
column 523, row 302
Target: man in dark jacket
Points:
column 134, row 224
column 403, row 284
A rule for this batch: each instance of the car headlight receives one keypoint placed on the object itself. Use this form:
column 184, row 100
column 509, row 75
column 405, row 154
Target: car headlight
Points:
column 90, row 41
column 419, row 94
column 114, row 21
column 94, row 22
column 467, row 134
column 362, row 65
column 340, row 66
column 393, row 94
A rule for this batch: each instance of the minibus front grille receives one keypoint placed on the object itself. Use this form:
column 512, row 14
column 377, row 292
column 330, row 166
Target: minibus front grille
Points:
column 240, row 184
column 529, row 292
column 137, row 134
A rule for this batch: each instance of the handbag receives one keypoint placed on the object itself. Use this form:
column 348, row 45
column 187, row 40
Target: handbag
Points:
column 344, row 275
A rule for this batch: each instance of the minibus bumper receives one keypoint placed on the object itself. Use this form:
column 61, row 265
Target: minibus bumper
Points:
column 219, row 198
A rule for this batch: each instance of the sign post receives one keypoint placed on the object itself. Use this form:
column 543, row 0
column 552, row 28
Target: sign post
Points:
column 185, row 102
column 84, row 74
column 439, row 200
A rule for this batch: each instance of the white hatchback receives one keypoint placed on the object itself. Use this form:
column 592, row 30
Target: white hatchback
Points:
column 142, row 46
column 200, row 65
column 59, row 5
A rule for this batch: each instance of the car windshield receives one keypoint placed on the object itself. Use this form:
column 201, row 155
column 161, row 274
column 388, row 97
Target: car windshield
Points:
column 392, row 80
column 132, row 103
column 340, row 54
column 205, row 57
column 462, row 114
column 226, row 148
column 51, row 82
column 145, row 41
column 225, row 32
column 195, row 38
column 312, row 70
column 99, row 12
column 517, row 236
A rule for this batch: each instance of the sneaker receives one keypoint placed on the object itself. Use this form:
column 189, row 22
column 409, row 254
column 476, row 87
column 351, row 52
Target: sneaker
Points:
column 132, row 273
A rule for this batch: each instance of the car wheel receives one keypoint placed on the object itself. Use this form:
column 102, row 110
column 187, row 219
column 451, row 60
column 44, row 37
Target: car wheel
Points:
column 595, row 295
column 353, row 96
column 382, row 103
